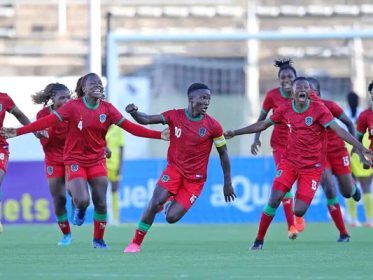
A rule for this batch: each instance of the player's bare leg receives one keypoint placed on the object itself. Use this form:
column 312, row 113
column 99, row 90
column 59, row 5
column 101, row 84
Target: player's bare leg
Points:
column 334, row 208
column 2, row 174
column 58, row 192
column 267, row 216
column 347, row 187
column 99, row 187
column 80, row 197
column 366, row 184
column 175, row 212
column 160, row 196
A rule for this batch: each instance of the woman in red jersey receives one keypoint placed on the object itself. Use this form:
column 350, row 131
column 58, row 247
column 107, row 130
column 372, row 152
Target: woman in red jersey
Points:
column 53, row 145
column 89, row 118
column 273, row 99
column 304, row 157
column 7, row 105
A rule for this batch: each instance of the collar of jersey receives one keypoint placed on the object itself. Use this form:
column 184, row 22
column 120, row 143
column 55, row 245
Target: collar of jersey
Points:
column 90, row 106
column 196, row 119
column 304, row 109
column 283, row 93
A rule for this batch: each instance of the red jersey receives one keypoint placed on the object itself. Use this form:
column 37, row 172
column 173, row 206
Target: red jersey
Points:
column 53, row 146
column 274, row 98
column 335, row 143
column 86, row 130
column 6, row 105
column 191, row 141
column 306, row 141
column 364, row 123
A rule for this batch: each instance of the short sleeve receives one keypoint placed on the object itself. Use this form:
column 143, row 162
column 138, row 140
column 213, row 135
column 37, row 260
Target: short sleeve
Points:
column 277, row 116
column 10, row 104
column 325, row 117
column 267, row 104
column 167, row 116
column 63, row 113
column 336, row 110
column 115, row 116
column 361, row 124
column 218, row 134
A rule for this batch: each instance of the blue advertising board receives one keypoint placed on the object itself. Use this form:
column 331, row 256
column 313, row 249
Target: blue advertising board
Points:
column 26, row 198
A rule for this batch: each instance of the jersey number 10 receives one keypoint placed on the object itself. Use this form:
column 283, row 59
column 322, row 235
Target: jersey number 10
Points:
column 177, row 132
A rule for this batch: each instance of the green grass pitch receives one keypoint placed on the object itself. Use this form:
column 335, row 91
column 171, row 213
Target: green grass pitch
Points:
column 186, row 252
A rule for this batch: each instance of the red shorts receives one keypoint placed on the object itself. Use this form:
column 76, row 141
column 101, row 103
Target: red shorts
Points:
column 4, row 156
column 277, row 155
column 74, row 171
column 339, row 162
column 55, row 170
column 184, row 190
column 308, row 180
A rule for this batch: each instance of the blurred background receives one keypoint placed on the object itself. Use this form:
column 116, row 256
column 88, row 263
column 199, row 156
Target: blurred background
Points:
column 149, row 52
column 60, row 40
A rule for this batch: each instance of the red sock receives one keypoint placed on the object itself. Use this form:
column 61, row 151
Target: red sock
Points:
column 99, row 229
column 335, row 212
column 265, row 221
column 287, row 203
column 139, row 236
column 65, row 227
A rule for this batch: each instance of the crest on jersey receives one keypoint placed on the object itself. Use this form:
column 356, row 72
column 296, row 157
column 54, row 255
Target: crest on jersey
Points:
column 102, row 118
column 202, row 131
column 74, row 167
column 165, row 178
column 309, row 121
column 278, row 173
column 1, row 107
column 50, row 170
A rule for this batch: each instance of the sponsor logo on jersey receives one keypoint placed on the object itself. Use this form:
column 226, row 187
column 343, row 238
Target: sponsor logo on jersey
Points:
column 1, row 107
column 74, row 167
column 202, row 131
column 192, row 198
column 102, row 118
column 2, row 156
column 50, row 170
column 165, row 178
column 309, row 121
column 278, row 173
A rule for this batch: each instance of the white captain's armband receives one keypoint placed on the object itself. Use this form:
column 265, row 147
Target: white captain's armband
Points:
column 219, row 141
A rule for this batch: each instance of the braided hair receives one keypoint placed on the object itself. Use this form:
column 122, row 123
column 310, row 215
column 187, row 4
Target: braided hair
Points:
column 285, row 63
column 370, row 86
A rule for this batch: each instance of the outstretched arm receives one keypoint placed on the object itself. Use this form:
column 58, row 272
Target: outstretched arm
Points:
column 140, row 131
column 352, row 140
column 228, row 190
column 37, row 125
column 143, row 118
column 256, row 127
column 255, row 146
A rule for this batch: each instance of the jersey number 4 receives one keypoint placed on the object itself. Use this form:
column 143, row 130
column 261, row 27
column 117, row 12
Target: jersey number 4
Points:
column 177, row 132
column 80, row 124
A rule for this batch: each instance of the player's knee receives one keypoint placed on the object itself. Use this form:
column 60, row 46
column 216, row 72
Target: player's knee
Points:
column 81, row 203
column 172, row 218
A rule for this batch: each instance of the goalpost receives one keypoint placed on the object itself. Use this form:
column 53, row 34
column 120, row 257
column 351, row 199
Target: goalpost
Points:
column 251, row 97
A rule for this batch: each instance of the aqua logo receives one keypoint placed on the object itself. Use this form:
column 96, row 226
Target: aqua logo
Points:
column 278, row 173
